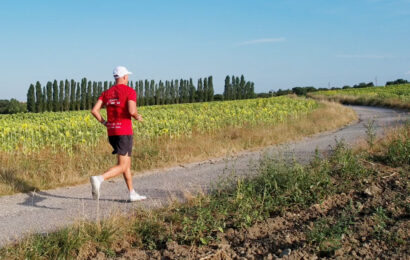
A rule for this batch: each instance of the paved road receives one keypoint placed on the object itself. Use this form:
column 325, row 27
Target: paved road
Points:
column 48, row 210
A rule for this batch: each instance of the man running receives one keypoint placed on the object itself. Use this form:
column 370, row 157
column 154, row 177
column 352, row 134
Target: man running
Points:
column 121, row 103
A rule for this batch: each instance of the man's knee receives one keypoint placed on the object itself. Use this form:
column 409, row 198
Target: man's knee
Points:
column 123, row 162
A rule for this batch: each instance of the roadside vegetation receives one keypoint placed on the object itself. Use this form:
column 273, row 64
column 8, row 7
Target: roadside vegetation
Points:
column 48, row 150
column 350, row 204
column 396, row 96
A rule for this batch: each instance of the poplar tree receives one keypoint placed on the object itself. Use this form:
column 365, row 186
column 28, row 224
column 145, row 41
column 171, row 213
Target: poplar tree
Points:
column 31, row 100
column 67, row 95
column 233, row 88
column 237, row 87
column 39, row 98
column 200, row 91
column 167, row 93
column 252, row 90
column 78, row 97
column 61, row 96
column 206, row 91
column 242, row 92
column 89, row 96
column 94, row 94
column 152, row 92
column 49, row 88
column 72, row 96
column 227, row 91
column 140, row 93
column 99, row 90
column 146, row 93
column 44, row 99
column 83, row 102
column 210, row 89
column 176, row 91
column 191, row 91
column 105, row 85
column 55, row 96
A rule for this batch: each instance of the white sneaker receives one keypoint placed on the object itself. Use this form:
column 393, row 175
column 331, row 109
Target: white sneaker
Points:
column 95, row 187
column 136, row 197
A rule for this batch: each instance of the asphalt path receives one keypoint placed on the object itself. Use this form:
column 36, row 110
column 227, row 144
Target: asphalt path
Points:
column 45, row 211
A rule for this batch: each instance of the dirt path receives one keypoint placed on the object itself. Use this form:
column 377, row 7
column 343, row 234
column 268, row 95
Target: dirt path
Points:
column 47, row 210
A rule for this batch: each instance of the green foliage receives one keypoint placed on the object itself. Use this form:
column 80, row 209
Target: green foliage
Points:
column 39, row 98
column 151, row 231
column 345, row 164
column 328, row 232
column 380, row 219
column 12, row 106
column 62, row 244
column 397, row 152
column 55, row 97
column 31, row 100
column 397, row 82
column 370, row 132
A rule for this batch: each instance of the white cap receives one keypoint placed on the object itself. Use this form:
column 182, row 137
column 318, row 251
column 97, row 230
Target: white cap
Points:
column 121, row 71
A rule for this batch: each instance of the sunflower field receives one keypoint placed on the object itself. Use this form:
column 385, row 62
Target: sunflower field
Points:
column 64, row 131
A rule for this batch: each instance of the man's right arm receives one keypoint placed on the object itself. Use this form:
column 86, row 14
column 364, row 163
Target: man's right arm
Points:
column 96, row 112
column 132, row 109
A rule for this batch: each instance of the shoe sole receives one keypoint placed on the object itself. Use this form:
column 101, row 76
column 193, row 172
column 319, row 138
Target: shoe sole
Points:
column 130, row 200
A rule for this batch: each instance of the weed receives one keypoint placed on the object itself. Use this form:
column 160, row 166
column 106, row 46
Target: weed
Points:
column 345, row 164
column 327, row 233
column 151, row 232
column 370, row 132
column 380, row 218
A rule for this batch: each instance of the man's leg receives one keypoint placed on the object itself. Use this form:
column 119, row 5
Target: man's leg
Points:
column 128, row 176
column 121, row 167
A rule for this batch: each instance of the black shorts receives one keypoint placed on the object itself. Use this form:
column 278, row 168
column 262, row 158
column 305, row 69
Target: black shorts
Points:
column 122, row 144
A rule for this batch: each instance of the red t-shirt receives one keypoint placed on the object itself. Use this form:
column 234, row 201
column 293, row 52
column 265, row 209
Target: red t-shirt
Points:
column 116, row 100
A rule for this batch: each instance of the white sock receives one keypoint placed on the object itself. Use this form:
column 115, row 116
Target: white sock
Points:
column 100, row 178
column 132, row 191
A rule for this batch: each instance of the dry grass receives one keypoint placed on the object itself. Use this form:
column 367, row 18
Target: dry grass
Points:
column 46, row 170
column 364, row 101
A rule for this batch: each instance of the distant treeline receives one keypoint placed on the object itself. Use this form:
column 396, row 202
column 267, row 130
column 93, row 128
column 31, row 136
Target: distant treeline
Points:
column 302, row 91
column 70, row 95
column 12, row 106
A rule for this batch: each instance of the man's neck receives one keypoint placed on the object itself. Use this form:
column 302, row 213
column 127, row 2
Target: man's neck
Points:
column 121, row 82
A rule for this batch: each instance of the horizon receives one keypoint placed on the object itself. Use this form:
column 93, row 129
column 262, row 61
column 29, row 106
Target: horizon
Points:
column 276, row 45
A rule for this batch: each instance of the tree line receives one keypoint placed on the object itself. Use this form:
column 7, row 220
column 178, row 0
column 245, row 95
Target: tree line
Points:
column 70, row 95
column 12, row 106
column 236, row 88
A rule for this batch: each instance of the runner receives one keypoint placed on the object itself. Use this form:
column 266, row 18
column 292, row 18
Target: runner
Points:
column 121, row 103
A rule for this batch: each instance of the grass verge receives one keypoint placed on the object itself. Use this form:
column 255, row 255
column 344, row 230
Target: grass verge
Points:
column 351, row 204
column 48, row 169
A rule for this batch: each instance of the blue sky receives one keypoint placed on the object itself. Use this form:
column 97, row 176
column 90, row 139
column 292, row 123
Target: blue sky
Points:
column 276, row 44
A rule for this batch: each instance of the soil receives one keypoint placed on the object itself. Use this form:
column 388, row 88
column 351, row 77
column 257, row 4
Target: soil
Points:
column 287, row 235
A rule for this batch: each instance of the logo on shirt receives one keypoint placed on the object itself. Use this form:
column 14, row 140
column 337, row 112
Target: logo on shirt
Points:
column 113, row 101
